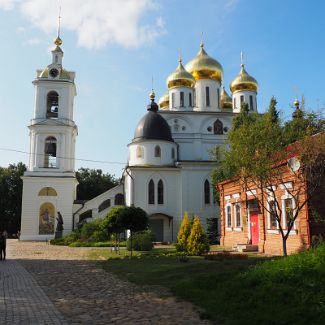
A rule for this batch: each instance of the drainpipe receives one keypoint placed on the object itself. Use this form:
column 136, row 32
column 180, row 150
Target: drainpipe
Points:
column 131, row 186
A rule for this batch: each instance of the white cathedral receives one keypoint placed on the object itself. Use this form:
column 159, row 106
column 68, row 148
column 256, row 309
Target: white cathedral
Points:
column 169, row 162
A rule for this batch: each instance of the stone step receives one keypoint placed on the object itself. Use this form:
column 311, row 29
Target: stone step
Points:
column 247, row 248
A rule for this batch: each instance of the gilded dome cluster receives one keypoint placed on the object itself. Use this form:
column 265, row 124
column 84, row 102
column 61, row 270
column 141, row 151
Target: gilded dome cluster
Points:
column 243, row 81
column 202, row 66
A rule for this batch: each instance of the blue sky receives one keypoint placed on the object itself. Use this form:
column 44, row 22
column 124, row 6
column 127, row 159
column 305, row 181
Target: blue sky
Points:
column 117, row 46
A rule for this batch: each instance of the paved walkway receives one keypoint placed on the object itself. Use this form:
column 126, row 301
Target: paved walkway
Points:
column 58, row 285
column 22, row 301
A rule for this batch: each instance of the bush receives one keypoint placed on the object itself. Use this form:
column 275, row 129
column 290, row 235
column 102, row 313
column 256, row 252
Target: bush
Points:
column 94, row 231
column 141, row 241
column 66, row 240
column 183, row 234
column 197, row 241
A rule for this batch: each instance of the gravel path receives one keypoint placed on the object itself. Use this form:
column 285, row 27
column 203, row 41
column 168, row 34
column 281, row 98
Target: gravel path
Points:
column 84, row 293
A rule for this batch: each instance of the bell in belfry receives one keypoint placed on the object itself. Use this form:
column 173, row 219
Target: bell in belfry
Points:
column 51, row 149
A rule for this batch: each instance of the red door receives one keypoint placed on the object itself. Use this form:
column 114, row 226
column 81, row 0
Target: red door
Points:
column 254, row 228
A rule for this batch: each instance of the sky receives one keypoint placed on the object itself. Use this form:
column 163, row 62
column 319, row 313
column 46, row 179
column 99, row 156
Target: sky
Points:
column 116, row 48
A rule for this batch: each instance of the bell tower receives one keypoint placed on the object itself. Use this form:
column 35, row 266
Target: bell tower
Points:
column 49, row 184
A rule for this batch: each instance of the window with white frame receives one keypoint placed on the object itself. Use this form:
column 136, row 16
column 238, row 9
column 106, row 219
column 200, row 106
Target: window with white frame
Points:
column 238, row 215
column 228, row 216
column 273, row 223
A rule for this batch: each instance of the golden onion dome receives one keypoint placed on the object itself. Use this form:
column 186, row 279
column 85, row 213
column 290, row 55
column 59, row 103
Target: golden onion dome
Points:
column 225, row 99
column 58, row 41
column 204, row 67
column 164, row 101
column 180, row 77
column 243, row 81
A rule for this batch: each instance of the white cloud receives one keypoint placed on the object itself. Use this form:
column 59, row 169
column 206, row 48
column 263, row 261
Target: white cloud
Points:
column 33, row 41
column 7, row 4
column 96, row 22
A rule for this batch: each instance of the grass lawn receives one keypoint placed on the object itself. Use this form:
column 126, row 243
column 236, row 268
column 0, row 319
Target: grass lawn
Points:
column 252, row 291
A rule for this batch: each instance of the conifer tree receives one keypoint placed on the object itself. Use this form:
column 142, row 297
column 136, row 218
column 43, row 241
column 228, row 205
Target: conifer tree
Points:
column 198, row 241
column 183, row 234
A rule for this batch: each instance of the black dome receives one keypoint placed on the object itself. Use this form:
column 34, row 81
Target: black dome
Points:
column 153, row 126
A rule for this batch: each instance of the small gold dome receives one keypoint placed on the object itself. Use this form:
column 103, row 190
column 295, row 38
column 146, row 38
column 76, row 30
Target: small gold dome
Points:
column 225, row 99
column 296, row 103
column 58, row 41
column 243, row 81
column 180, row 78
column 204, row 67
column 164, row 101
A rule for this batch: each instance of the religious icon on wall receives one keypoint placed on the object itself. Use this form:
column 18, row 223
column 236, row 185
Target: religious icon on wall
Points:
column 46, row 219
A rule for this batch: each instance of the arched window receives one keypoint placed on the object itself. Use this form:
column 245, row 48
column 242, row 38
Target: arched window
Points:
column 52, row 104
column 50, row 153
column 104, row 205
column 160, row 192
column 157, row 151
column 151, row 192
column 217, row 127
column 46, row 219
column 47, row 191
column 206, row 192
column 119, row 199
column 139, row 152
column 173, row 153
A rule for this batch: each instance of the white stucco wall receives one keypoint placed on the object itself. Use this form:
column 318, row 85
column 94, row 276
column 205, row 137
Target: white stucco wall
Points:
column 66, row 190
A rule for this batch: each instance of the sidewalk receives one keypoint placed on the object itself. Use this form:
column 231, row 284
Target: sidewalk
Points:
column 22, row 301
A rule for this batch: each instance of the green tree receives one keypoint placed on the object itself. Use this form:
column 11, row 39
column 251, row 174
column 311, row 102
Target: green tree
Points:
column 134, row 219
column 11, row 186
column 259, row 143
column 183, row 234
column 113, row 224
column 197, row 241
column 93, row 182
column 212, row 230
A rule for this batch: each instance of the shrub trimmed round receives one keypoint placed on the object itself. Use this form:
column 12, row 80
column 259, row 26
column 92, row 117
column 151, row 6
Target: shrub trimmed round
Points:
column 141, row 241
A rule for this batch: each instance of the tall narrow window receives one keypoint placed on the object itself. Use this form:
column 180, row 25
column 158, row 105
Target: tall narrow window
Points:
column 50, row 153
column 173, row 153
column 206, row 192
column 235, row 102
column 151, row 192
column 241, row 100
column 238, row 215
column 181, row 99
column 160, row 192
column 288, row 205
column 272, row 210
column 190, row 100
column 218, row 97
column 207, row 96
column 157, row 151
column 194, row 99
column 52, row 104
column 251, row 102
column 217, row 127
column 173, row 100
column 228, row 215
